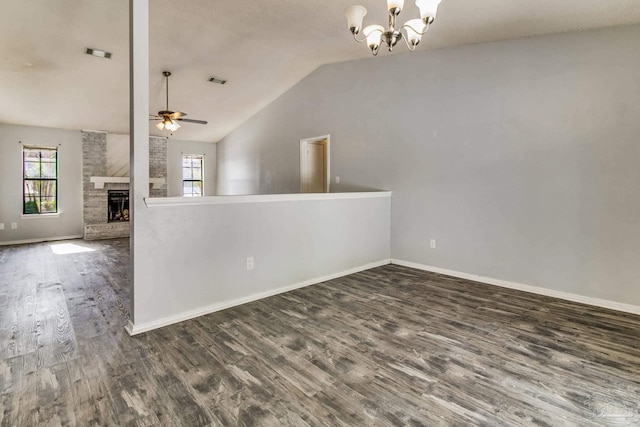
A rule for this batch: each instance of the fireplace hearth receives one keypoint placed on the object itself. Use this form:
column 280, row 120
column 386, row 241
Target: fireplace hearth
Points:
column 118, row 203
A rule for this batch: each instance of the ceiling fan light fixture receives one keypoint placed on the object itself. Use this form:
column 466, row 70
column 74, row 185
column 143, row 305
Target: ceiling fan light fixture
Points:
column 169, row 124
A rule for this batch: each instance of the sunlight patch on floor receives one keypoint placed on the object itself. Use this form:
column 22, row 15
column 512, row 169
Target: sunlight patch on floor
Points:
column 69, row 248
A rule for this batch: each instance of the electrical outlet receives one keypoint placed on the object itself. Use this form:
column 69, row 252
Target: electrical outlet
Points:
column 432, row 243
column 14, row 225
column 250, row 263
column 337, row 180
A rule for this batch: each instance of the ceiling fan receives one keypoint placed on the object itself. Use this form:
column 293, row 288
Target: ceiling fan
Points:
column 169, row 119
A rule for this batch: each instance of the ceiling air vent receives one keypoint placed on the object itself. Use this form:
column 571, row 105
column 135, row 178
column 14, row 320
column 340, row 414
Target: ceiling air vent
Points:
column 217, row 80
column 97, row 52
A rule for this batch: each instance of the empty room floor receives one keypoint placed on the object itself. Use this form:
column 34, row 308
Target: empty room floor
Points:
column 391, row 346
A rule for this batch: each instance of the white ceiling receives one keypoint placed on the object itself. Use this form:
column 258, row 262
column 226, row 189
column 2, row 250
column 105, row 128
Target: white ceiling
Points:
column 262, row 48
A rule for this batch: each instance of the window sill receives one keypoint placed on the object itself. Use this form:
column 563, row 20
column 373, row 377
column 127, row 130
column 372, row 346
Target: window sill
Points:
column 40, row 216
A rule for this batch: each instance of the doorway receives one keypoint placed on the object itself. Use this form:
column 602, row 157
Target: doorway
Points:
column 315, row 164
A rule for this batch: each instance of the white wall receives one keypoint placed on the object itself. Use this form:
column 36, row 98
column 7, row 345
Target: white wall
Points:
column 192, row 259
column 519, row 157
column 175, row 150
column 33, row 227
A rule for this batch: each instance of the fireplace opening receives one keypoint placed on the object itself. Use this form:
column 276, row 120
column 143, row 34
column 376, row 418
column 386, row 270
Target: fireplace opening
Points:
column 118, row 202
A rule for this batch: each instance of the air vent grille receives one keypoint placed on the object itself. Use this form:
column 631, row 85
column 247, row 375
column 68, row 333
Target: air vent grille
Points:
column 217, row 80
column 97, row 52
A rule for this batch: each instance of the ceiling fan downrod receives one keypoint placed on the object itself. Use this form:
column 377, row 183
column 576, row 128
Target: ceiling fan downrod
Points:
column 169, row 119
column 166, row 79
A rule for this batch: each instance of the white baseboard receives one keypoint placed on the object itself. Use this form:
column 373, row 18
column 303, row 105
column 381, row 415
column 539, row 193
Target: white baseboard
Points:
column 613, row 305
column 40, row 240
column 135, row 329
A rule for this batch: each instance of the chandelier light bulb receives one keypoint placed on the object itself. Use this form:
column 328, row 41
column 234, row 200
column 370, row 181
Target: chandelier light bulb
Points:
column 428, row 10
column 415, row 29
column 395, row 6
column 160, row 125
column 355, row 15
column 374, row 37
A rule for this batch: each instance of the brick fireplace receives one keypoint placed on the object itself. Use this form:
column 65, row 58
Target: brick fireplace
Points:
column 98, row 222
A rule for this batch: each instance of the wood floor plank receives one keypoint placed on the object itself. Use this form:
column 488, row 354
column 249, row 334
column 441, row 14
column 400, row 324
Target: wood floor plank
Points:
column 391, row 346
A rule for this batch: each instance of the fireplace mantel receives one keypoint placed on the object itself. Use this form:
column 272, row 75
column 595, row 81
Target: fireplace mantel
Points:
column 100, row 181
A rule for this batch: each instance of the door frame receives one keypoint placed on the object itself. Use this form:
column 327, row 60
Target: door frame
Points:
column 303, row 163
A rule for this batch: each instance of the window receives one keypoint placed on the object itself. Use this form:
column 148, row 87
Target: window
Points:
column 40, row 180
column 192, row 175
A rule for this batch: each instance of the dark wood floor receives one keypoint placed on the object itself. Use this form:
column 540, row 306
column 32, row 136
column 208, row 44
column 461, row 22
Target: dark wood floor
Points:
column 389, row 346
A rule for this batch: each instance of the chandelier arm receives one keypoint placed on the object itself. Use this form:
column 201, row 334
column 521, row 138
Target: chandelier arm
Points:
column 416, row 31
column 355, row 37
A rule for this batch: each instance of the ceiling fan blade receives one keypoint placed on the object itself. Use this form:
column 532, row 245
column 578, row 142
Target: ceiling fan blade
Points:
column 200, row 122
column 177, row 114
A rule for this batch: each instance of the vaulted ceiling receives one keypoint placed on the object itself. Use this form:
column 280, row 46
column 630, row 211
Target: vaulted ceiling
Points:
column 261, row 47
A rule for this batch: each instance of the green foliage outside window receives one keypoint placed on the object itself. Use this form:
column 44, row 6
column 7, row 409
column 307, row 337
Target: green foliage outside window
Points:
column 40, row 180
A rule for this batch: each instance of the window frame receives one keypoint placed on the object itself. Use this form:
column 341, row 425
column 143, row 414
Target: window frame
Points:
column 201, row 180
column 26, row 179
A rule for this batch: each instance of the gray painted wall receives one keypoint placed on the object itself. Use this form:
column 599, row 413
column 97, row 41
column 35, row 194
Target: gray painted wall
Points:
column 195, row 256
column 519, row 157
column 69, row 221
column 175, row 149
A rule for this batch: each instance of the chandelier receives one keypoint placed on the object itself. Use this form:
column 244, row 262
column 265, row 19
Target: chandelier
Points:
column 376, row 34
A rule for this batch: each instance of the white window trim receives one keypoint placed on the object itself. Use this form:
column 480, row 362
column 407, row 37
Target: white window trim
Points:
column 201, row 176
column 48, row 215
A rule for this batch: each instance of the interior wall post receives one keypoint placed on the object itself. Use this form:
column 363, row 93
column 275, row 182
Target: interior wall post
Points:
column 138, row 130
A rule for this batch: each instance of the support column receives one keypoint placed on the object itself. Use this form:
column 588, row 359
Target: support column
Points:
column 139, row 131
